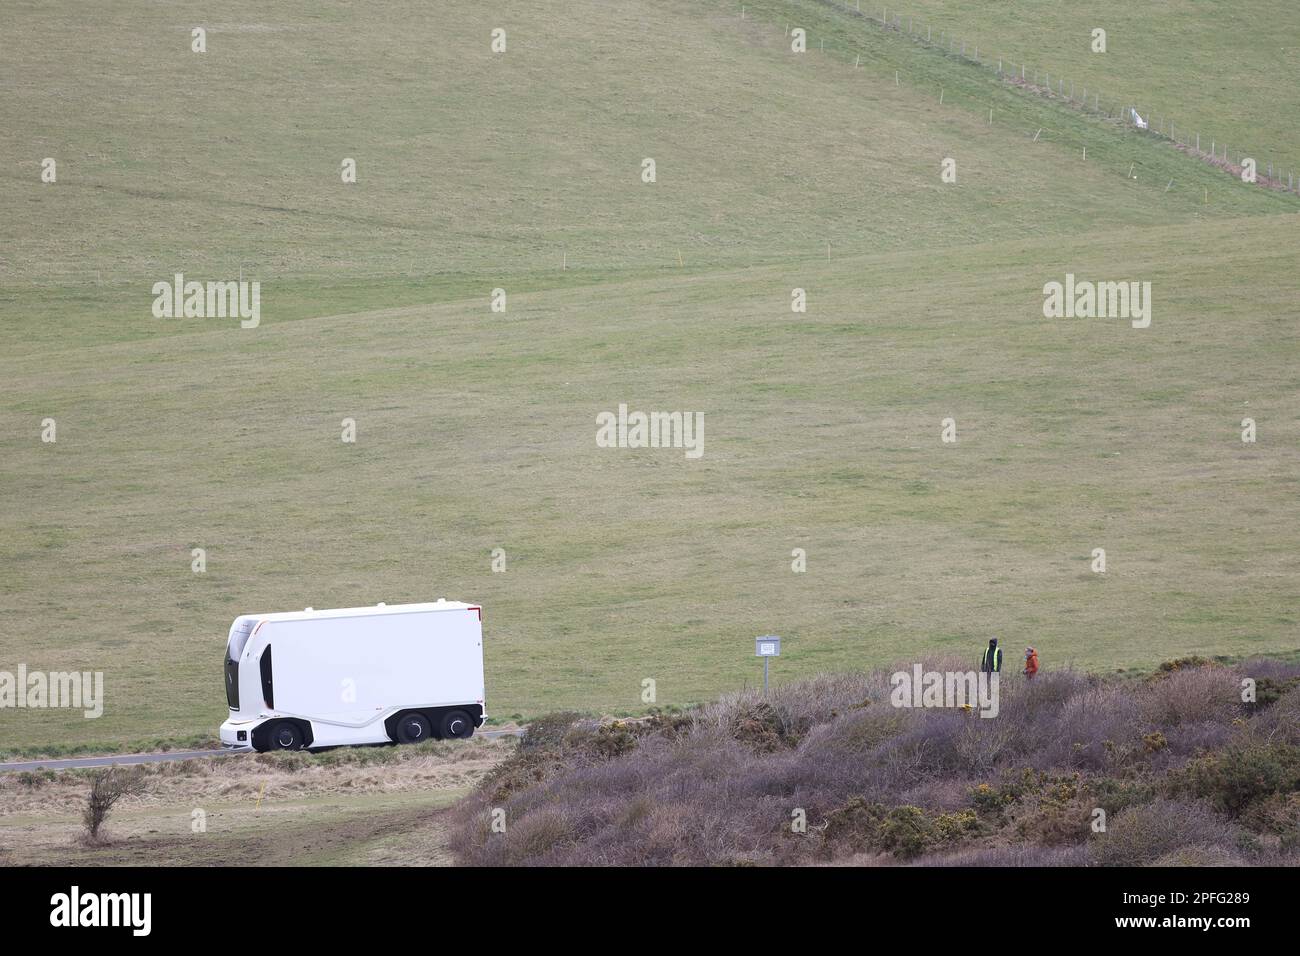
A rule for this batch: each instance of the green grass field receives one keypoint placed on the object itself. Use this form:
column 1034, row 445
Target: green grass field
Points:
column 1227, row 70
column 476, row 430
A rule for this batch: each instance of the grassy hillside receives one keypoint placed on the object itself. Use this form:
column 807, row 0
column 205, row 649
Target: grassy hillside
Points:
column 473, row 166
column 477, row 430
column 1227, row 69
column 822, row 432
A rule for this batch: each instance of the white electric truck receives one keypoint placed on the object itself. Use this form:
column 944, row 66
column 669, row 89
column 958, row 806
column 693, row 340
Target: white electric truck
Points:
column 360, row 675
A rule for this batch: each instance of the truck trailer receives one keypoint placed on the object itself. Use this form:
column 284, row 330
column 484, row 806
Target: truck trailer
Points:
column 360, row 675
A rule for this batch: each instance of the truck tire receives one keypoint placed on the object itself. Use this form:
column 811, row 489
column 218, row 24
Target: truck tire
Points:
column 413, row 729
column 284, row 735
column 458, row 724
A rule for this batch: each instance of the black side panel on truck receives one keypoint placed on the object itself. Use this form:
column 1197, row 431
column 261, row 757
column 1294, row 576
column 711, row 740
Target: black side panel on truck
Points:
column 232, row 683
column 268, row 685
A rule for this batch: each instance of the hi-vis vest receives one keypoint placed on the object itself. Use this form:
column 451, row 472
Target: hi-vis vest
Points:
column 996, row 663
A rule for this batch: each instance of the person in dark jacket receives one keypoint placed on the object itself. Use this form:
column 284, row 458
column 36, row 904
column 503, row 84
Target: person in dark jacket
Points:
column 992, row 661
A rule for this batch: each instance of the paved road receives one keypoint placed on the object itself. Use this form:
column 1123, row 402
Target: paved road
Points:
column 73, row 763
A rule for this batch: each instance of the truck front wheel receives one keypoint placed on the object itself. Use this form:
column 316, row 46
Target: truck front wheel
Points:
column 284, row 735
column 457, row 723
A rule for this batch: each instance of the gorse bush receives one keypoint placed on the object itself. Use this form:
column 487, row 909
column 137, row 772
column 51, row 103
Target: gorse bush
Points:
column 904, row 831
column 548, row 732
column 1234, row 779
column 1269, row 691
column 1277, row 815
column 1074, row 770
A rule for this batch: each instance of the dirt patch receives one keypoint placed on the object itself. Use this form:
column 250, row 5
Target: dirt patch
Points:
column 293, row 809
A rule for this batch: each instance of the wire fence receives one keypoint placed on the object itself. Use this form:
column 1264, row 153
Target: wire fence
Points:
column 1042, row 83
column 1056, row 86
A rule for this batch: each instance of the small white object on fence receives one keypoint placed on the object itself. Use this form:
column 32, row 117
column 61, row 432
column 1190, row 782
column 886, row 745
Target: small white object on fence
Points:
column 1125, row 114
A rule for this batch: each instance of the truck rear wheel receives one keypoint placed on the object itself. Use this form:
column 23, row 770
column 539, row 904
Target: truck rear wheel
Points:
column 413, row 729
column 457, row 724
column 285, row 735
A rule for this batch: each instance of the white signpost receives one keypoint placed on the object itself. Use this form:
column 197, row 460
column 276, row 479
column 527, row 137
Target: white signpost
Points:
column 767, row 648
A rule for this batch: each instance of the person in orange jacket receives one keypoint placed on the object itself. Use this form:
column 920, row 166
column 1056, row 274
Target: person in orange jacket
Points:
column 1031, row 662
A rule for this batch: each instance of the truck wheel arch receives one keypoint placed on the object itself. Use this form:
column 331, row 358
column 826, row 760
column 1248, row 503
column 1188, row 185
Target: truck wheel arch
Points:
column 434, row 715
column 261, row 734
